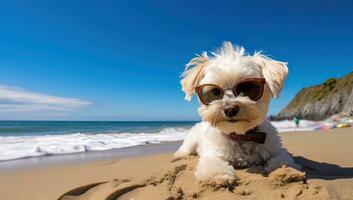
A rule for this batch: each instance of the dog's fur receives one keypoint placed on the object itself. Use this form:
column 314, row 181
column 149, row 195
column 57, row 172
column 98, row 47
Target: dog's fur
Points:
column 218, row 154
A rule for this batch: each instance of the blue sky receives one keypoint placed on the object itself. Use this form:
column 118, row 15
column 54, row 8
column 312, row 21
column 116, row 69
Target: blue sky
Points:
column 121, row 60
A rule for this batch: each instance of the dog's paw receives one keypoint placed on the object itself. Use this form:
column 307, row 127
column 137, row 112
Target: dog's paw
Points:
column 179, row 155
column 272, row 167
column 220, row 181
column 217, row 179
column 214, row 171
column 285, row 175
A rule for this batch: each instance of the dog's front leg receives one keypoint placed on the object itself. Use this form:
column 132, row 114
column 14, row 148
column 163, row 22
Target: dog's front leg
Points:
column 283, row 159
column 187, row 148
column 213, row 170
column 283, row 170
column 189, row 145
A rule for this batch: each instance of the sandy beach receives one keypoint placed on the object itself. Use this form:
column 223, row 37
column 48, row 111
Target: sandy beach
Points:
column 327, row 158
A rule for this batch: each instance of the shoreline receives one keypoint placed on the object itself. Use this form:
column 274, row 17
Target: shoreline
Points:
column 92, row 156
column 86, row 157
column 28, row 163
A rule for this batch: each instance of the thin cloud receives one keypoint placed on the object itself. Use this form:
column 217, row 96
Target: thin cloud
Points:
column 19, row 100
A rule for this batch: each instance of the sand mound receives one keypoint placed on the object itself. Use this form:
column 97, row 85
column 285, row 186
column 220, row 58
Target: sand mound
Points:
column 179, row 183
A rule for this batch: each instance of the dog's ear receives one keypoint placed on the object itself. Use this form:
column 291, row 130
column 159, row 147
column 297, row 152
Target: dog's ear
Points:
column 275, row 72
column 194, row 72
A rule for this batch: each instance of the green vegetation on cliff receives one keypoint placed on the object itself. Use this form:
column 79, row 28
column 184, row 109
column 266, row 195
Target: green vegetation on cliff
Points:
column 334, row 96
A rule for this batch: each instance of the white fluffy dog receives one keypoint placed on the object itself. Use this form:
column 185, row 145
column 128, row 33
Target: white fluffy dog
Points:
column 234, row 91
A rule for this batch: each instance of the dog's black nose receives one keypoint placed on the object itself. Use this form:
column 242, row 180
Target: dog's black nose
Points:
column 231, row 111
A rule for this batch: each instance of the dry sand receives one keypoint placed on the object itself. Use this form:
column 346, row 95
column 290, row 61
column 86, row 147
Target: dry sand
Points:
column 327, row 157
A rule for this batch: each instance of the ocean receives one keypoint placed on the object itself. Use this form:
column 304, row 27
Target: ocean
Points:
column 23, row 139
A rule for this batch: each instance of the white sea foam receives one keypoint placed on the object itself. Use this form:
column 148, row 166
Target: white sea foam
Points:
column 305, row 125
column 15, row 147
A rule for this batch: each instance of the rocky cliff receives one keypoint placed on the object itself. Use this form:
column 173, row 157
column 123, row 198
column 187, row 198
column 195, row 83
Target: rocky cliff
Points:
column 335, row 96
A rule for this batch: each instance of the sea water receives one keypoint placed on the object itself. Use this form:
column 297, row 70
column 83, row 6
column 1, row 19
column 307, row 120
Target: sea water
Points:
column 22, row 139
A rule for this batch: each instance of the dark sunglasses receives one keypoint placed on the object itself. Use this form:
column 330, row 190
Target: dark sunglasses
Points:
column 251, row 87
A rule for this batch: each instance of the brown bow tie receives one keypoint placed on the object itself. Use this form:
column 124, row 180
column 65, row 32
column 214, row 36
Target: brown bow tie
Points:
column 251, row 135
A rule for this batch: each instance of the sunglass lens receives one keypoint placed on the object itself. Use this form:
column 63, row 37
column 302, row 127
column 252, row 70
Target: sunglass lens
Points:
column 210, row 93
column 251, row 89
